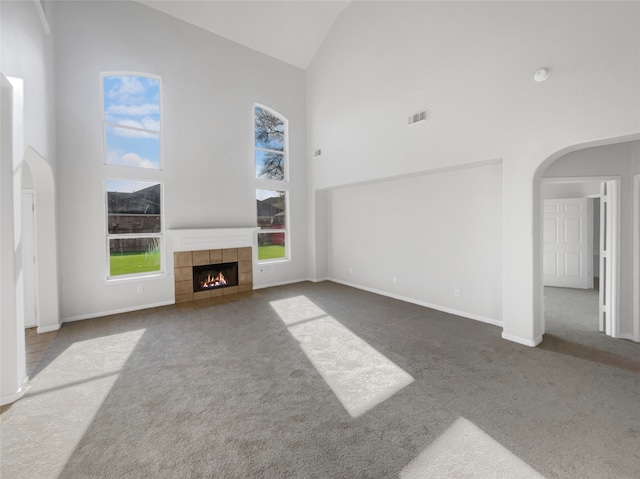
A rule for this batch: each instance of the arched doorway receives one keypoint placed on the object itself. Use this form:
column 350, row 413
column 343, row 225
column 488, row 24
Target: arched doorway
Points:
column 613, row 162
column 45, row 244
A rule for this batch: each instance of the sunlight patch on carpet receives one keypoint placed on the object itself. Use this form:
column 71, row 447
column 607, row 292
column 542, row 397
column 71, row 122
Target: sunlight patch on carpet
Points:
column 358, row 375
column 76, row 383
column 466, row 451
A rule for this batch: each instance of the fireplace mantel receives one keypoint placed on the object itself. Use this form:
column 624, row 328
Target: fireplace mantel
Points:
column 210, row 238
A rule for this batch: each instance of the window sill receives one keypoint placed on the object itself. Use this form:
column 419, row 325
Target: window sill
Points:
column 141, row 277
column 274, row 261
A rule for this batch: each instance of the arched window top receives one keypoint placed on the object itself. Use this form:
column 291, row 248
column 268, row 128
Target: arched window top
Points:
column 132, row 119
column 269, row 121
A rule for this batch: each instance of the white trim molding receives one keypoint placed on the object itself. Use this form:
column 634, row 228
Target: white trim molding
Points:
column 578, row 179
column 280, row 283
column 523, row 341
column 116, row 311
column 11, row 398
column 210, row 238
column 48, row 329
column 614, row 199
column 444, row 309
column 636, row 256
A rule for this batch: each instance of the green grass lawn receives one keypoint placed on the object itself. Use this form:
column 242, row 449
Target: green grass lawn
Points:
column 130, row 263
column 271, row 251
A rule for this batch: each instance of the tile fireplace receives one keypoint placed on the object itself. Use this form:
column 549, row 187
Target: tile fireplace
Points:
column 190, row 265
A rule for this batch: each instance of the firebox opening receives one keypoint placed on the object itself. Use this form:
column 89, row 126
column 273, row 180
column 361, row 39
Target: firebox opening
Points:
column 214, row 276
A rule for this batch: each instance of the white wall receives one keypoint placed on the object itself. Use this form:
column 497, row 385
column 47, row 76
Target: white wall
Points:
column 27, row 178
column 556, row 191
column 12, row 361
column 209, row 87
column 27, row 60
column 613, row 160
column 27, row 54
column 434, row 234
column 471, row 64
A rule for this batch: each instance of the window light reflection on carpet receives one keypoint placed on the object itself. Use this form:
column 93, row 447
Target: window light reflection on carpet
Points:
column 358, row 375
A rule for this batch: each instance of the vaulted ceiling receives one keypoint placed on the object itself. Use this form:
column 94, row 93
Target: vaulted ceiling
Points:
column 291, row 31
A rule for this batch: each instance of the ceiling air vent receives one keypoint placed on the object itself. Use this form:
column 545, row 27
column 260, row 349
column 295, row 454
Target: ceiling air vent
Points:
column 417, row 117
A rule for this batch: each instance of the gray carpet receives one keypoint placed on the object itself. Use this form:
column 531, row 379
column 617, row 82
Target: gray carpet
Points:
column 571, row 311
column 241, row 390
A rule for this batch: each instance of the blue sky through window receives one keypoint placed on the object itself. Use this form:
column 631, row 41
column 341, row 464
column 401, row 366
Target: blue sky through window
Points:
column 133, row 103
column 276, row 172
column 264, row 194
column 269, row 130
column 126, row 186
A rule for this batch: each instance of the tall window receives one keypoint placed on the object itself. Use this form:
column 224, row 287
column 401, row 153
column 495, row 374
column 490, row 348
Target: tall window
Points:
column 133, row 206
column 134, row 227
column 271, row 137
column 132, row 121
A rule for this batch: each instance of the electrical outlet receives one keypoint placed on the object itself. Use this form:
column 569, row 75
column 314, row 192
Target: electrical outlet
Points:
column 456, row 293
column 394, row 279
column 350, row 269
column 140, row 289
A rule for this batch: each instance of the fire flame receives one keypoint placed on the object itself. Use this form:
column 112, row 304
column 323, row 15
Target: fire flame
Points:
column 214, row 281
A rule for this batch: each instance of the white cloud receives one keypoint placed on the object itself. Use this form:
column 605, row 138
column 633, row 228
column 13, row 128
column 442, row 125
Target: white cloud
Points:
column 133, row 110
column 150, row 124
column 131, row 159
column 126, row 89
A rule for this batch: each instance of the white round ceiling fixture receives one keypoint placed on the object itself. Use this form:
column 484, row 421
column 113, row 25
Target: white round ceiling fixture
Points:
column 541, row 75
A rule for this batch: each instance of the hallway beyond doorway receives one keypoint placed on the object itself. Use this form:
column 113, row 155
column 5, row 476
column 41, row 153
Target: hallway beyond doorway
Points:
column 571, row 316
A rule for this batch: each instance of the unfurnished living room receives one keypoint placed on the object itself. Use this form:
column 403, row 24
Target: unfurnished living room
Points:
column 320, row 239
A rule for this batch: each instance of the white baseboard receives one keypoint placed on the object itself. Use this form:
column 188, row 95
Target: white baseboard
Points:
column 444, row 309
column 11, row 398
column 282, row 283
column 318, row 280
column 523, row 341
column 47, row 329
column 629, row 336
column 116, row 311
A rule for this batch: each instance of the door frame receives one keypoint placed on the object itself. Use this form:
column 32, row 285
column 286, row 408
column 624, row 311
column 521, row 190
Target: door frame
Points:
column 614, row 255
column 31, row 290
column 610, row 222
column 592, row 220
column 636, row 255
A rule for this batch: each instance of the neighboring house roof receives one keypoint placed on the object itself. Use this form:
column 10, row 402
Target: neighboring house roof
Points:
column 265, row 209
column 141, row 202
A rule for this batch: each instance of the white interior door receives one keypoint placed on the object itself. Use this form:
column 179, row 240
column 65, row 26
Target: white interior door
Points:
column 29, row 258
column 608, row 257
column 566, row 244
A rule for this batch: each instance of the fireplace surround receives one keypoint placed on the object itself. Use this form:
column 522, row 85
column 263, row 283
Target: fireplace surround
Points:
column 203, row 246
column 185, row 261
